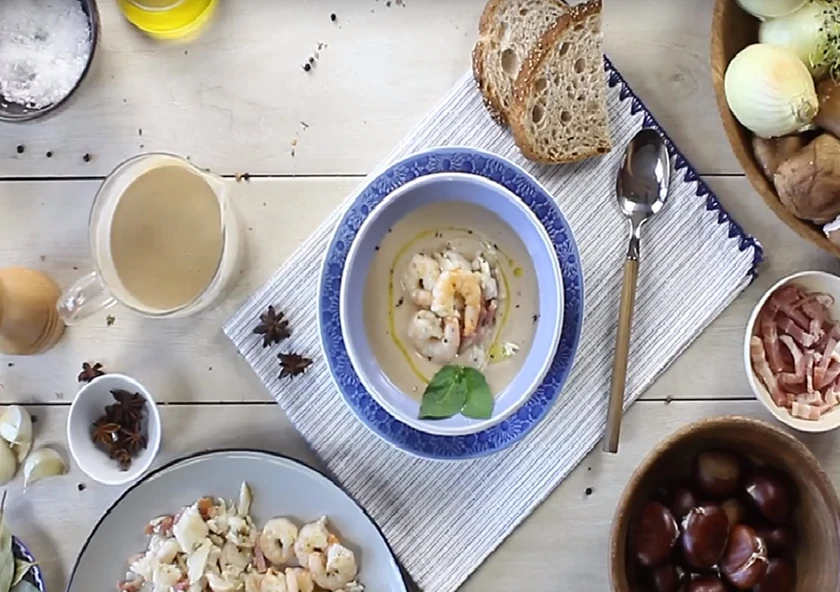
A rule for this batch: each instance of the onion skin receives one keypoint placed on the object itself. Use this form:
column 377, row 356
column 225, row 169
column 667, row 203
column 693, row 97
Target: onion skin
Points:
column 770, row 91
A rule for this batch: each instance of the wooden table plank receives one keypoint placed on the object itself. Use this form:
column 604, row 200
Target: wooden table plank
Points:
column 49, row 220
column 235, row 99
column 543, row 549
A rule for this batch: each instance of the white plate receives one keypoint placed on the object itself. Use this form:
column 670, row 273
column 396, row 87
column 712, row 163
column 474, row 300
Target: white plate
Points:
column 280, row 486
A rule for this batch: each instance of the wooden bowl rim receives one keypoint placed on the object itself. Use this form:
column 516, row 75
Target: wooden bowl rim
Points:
column 743, row 152
column 618, row 548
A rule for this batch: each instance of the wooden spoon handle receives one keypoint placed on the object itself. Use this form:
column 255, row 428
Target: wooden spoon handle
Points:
column 622, row 350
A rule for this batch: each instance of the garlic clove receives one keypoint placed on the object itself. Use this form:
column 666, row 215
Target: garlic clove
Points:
column 43, row 463
column 21, row 449
column 15, row 424
column 8, row 463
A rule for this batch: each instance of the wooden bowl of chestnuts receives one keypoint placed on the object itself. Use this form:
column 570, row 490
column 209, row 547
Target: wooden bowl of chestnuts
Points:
column 727, row 504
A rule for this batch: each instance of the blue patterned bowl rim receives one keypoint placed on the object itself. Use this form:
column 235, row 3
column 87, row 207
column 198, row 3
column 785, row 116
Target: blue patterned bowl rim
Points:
column 35, row 575
column 371, row 414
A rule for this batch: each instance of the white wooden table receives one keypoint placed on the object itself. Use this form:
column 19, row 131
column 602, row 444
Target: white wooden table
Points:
column 235, row 101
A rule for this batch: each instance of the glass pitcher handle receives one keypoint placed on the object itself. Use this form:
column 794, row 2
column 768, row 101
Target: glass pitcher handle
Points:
column 84, row 298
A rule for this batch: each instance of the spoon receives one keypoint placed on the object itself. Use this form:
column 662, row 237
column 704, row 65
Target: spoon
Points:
column 642, row 190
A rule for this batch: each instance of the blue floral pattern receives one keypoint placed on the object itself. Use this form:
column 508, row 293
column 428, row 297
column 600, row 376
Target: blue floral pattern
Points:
column 447, row 160
column 34, row 576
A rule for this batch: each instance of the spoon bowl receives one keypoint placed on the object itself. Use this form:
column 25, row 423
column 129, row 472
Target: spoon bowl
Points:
column 642, row 191
column 644, row 177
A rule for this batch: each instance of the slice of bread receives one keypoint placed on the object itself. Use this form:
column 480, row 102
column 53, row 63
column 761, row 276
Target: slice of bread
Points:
column 559, row 111
column 507, row 32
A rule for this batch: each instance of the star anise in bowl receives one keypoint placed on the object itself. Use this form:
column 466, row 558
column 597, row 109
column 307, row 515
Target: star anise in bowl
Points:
column 120, row 429
column 273, row 327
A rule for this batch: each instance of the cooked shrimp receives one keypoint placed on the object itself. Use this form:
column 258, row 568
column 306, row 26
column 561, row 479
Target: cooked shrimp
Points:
column 335, row 569
column 449, row 260
column 273, row 581
column 419, row 279
column 277, row 540
column 487, row 278
column 435, row 338
column 313, row 537
column 452, row 286
column 299, row 580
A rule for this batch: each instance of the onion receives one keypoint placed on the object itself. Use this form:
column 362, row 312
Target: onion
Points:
column 812, row 33
column 770, row 91
column 764, row 9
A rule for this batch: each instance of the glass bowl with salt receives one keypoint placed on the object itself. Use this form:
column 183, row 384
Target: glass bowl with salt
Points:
column 46, row 50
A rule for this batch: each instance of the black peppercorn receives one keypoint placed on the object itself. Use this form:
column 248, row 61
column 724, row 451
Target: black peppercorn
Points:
column 20, row 149
column 333, row 18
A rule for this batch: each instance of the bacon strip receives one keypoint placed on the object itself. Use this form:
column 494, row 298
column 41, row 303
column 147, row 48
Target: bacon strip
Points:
column 803, row 411
column 801, row 336
column 771, row 344
column 762, row 368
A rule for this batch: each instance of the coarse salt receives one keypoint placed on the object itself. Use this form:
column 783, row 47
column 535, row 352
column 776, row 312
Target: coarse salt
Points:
column 44, row 48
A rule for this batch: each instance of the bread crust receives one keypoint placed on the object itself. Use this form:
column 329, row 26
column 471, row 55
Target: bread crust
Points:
column 485, row 29
column 527, row 78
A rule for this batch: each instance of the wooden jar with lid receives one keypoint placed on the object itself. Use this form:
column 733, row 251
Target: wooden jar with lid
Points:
column 29, row 321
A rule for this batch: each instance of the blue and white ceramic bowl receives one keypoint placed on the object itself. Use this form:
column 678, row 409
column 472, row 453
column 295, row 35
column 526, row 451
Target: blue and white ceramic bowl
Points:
column 479, row 192
column 34, row 576
column 512, row 430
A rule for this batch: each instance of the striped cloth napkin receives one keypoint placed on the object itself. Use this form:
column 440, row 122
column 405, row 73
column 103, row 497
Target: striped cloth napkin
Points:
column 421, row 505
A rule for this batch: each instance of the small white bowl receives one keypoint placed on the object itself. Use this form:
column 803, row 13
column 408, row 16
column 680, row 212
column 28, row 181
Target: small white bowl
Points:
column 87, row 407
column 812, row 281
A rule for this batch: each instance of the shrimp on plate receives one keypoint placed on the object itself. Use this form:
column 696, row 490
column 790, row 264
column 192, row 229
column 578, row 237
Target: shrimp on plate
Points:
column 335, row 569
column 277, row 540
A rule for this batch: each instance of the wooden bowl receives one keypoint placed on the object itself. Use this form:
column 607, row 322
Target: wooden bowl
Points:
column 733, row 30
column 817, row 517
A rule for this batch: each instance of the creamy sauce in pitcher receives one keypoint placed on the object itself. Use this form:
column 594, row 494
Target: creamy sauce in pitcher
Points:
column 166, row 237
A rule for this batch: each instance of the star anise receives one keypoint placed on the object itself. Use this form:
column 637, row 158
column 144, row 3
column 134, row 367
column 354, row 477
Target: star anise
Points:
column 273, row 327
column 133, row 439
column 89, row 372
column 123, row 457
column 293, row 364
column 104, row 431
column 132, row 406
column 114, row 413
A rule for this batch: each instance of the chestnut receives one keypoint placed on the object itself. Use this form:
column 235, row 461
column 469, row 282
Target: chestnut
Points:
column 779, row 540
column 665, row 578
column 717, row 473
column 769, row 492
column 744, row 561
column 681, row 501
column 705, row 530
column 654, row 534
column 735, row 511
column 779, row 577
column 705, row 584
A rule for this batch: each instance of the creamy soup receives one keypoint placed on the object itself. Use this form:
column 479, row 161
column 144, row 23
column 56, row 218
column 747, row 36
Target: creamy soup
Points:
column 389, row 309
column 166, row 237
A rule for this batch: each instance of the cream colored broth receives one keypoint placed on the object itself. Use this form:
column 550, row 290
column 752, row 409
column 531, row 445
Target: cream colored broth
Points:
column 388, row 310
column 166, row 237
